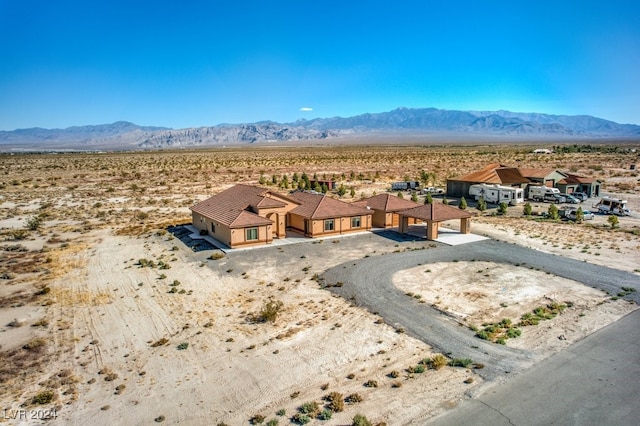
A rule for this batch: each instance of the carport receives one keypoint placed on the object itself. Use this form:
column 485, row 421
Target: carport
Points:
column 433, row 214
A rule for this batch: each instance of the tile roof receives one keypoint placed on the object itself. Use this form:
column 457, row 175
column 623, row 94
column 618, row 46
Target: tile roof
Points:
column 436, row 212
column 385, row 202
column 319, row 206
column 233, row 206
column 495, row 173
column 578, row 179
column 537, row 173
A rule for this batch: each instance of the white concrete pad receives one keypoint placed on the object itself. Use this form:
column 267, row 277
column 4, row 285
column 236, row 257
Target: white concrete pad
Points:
column 454, row 238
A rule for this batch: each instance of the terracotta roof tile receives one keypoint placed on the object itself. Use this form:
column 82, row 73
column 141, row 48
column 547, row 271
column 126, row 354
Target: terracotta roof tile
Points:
column 233, row 206
column 319, row 206
column 495, row 173
column 536, row 173
column 436, row 212
column 578, row 179
column 386, row 202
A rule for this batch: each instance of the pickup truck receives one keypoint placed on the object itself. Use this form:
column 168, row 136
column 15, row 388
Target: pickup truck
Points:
column 432, row 190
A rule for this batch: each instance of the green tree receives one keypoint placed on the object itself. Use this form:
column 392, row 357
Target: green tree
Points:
column 400, row 195
column 352, row 192
column 317, row 187
column 34, row 223
column 613, row 220
column 325, row 188
column 445, row 201
column 284, row 182
column 428, row 199
column 553, row 212
column 263, row 180
column 295, row 177
column 463, row 204
column 482, row 204
column 579, row 215
column 502, row 208
column 342, row 190
column 414, row 197
column 527, row 210
column 274, row 179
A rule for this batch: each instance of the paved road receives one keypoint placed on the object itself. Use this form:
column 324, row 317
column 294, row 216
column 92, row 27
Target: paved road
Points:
column 369, row 281
column 593, row 382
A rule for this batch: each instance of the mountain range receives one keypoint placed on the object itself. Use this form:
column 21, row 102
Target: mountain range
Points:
column 421, row 122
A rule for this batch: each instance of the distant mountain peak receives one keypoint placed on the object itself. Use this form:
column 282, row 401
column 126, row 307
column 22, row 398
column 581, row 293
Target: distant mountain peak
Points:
column 402, row 120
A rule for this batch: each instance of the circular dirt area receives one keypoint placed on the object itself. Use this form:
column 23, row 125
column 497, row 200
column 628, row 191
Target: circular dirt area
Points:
column 477, row 293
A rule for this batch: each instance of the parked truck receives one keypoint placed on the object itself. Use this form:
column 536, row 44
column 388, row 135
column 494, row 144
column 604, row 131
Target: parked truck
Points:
column 608, row 205
column 538, row 193
column 496, row 194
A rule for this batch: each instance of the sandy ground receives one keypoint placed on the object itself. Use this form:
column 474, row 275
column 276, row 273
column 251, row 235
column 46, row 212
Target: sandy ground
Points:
column 113, row 343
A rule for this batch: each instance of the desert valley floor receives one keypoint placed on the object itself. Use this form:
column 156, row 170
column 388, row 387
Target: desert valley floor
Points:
column 106, row 317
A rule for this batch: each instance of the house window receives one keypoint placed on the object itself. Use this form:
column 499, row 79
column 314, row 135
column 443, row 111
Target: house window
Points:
column 355, row 222
column 213, row 228
column 329, row 225
column 251, row 234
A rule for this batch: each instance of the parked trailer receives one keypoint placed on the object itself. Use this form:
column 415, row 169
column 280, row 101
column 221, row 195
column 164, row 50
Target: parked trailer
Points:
column 403, row 186
column 496, row 194
column 608, row 205
column 538, row 192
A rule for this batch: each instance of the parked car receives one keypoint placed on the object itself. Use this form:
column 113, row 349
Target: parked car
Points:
column 554, row 198
column 571, row 199
column 572, row 212
column 580, row 196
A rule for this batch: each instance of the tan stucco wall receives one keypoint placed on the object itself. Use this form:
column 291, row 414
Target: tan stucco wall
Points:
column 231, row 237
column 341, row 225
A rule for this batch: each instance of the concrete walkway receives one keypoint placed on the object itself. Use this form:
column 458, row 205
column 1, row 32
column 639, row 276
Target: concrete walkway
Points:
column 594, row 382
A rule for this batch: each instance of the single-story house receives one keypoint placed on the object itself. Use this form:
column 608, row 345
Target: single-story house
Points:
column 433, row 214
column 546, row 177
column 574, row 183
column 319, row 215
column 493, row 174
column 245, row 215
column 385, row 208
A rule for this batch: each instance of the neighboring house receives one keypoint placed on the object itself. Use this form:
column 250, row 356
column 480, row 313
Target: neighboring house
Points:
column 546, row 177
column 492, row 174
column 243, row 215
column 246, row 215
column 320, row 215
column 385, row 208
column 574, row 183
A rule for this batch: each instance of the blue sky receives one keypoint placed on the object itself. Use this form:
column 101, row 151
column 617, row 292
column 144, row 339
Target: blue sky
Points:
column 195, row 63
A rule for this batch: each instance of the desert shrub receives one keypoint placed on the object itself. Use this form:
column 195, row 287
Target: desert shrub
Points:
column 613, row 221
column 217, row 255
column 269, row 311
column 354, row 398
column 527, row 210
column 419, row 368
column 311, row 408
column 502, row 208
column 437, row 361
column 35, row 345
column 325, row 414
column 19, row 234
column 460, row 362
column 281, row 412
column 336, row 401
column 300, row 419
column 553, row 212
column 43, row 397
column 34, row 223
column 371, row 384
column 360, row 420
column 182, row 346
column 160, row 342
column 272, row 422
column 258, row 419
column 394, row 374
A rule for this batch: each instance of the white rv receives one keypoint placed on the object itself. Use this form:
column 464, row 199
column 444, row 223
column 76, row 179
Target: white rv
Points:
column 496, row 194
column 608, row 205
column 538, row 192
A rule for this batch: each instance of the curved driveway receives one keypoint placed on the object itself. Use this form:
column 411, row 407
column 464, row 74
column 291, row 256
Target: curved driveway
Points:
column 368, row 282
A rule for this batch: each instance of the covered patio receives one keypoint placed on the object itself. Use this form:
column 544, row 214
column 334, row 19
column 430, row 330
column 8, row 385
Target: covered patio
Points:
column 433, row 214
